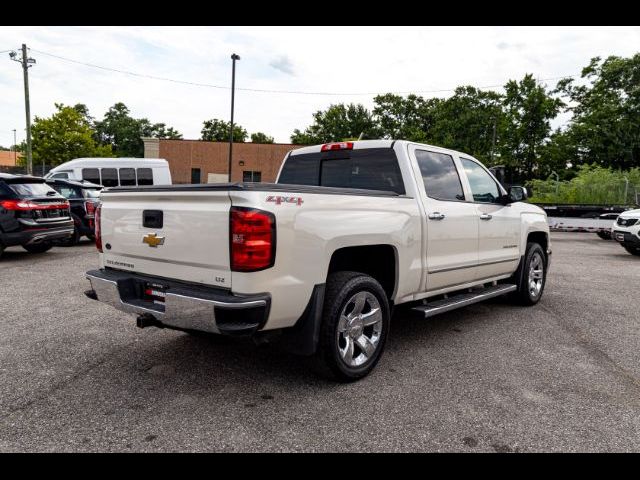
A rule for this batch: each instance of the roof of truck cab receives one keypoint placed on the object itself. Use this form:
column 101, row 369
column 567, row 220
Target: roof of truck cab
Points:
column 362, row 144
column 111, row 161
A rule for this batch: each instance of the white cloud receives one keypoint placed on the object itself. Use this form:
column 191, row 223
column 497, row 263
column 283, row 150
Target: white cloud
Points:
column 283, row 63
column 326, row 59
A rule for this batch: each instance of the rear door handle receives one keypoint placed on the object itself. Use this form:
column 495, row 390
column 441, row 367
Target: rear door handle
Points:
column 436, row 216
column 486, row 216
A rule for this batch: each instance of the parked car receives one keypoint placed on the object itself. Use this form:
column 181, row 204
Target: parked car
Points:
column 605, row 233
column 32, row 214
column 626, row 230
column 83, row 198
column 113, row 172
column 321, row 257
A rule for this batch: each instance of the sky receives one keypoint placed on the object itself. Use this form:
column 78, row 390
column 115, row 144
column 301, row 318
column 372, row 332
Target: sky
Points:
column 351, row 63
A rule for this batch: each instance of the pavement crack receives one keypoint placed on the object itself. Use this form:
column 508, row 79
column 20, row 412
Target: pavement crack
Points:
column 593, row 349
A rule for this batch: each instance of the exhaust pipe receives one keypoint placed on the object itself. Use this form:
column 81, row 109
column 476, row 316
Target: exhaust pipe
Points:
column 147, row 320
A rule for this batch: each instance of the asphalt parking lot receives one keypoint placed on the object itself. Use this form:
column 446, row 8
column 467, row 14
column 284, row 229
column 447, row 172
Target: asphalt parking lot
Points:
column 562, row 376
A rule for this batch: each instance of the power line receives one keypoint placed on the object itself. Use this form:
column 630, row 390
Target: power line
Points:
column 259, row 90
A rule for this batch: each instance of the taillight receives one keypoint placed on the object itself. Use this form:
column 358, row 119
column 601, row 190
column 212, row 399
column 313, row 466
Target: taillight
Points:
column 98, row 232
column 252, row 239
column 90, row 208
column 28, row 205
column 337, row 146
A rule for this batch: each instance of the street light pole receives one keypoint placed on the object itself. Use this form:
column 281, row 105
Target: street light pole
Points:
column 15, row 146
column 234, row 57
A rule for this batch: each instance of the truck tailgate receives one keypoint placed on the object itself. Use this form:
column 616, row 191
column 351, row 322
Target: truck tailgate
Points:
column 179, row 235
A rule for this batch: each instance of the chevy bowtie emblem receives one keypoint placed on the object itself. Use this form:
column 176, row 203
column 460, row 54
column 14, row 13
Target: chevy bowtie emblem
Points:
column 153, row 240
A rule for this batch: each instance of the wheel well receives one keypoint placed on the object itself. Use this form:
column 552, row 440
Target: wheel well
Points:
column 540, row 238
column 378, row 261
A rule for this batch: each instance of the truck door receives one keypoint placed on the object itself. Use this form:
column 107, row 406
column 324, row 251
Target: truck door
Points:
column 499, row 224
column 450, row 223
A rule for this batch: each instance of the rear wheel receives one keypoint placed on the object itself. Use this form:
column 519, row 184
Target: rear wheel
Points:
column 604, row 235
column 1, row 249
column 633, row 250
column 355, row 325
column 531, row 275
column 91, row 237
column 38, row 247
column 73, row 239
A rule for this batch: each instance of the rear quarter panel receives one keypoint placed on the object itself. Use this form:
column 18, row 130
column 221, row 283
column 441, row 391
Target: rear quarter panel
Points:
column 309, row 233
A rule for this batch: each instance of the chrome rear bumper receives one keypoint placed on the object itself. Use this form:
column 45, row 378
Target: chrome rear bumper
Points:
column 185, row 307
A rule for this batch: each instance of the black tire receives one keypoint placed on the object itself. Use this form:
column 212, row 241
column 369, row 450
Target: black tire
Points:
column 524, row 295
column 1, row 249
column 633, row 250
column 91, row 237
column 340, row 292
column 604, row 235
column 38, row 247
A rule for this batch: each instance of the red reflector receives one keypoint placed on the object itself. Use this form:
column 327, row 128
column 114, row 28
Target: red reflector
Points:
column 98, row 232
column 252, row 239
column 337, row 146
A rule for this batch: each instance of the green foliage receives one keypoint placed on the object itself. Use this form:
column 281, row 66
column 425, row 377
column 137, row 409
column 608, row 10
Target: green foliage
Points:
column 409, row 118
column 593, row 184
column 260, row 137
column 606, row 112
column 65, row 135
column 337, row 123
column 124, row 133
column 215, row 130
column 528, row 112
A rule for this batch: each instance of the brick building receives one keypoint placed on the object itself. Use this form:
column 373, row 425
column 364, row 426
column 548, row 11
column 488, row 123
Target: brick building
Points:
column 9, row 158
column 197, row 161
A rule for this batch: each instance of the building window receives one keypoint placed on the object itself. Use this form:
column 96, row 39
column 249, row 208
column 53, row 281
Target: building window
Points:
column 251, row 176
column 195, row 175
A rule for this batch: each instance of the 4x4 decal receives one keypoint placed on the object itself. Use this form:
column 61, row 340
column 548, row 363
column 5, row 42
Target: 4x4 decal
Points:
column 278, row 199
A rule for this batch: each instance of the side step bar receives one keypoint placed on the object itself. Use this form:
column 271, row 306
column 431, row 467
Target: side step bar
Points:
column 463, row 299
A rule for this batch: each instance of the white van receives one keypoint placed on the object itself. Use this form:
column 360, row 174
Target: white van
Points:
column 113, row 172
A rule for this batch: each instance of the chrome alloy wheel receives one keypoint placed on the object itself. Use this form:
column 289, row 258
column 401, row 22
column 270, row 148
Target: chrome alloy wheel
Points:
column 536, row 275
column 359, row 329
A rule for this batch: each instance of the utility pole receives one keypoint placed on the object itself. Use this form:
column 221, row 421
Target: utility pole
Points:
column 234, row 57
column 26, row 63
column 493, row 141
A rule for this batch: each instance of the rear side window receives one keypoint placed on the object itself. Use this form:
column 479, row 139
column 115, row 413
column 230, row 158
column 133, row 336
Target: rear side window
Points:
column 145, row 176
column 31, row 189
column 368, row 169
column 109, row 177
column 91, row 175
column 440, row 176
column 127, row 176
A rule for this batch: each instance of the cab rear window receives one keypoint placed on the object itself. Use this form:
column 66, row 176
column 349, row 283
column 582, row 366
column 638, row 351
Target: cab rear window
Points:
column 367, row 169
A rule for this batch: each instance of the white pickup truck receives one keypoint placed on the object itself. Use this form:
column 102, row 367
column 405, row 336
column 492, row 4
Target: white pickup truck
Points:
column 321, row 257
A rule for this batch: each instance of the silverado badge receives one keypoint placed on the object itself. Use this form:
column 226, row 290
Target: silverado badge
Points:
column 153, row 240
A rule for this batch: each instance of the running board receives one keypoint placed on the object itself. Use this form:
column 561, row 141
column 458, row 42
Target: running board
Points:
column 463, row 299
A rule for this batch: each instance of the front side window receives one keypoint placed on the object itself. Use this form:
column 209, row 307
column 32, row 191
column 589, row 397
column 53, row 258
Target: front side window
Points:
column 483, row 187
column 440, row 176
column 109, row 177
column 60, row 175
column 91, row 175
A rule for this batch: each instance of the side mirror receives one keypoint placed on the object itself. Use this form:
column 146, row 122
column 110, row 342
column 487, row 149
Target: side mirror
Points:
column 517, row 194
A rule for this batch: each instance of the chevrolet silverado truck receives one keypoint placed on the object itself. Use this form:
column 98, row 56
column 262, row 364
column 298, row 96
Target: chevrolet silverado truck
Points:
column 321, row 257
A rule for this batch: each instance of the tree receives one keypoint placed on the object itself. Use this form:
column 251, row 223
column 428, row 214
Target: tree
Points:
column 337, row 123
column 410, row 118
column 260, row 137
column 64, row 136
column 124, row 133
column 528, row 111
column 216, row 130
column 606, row 112
column 471, row 121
